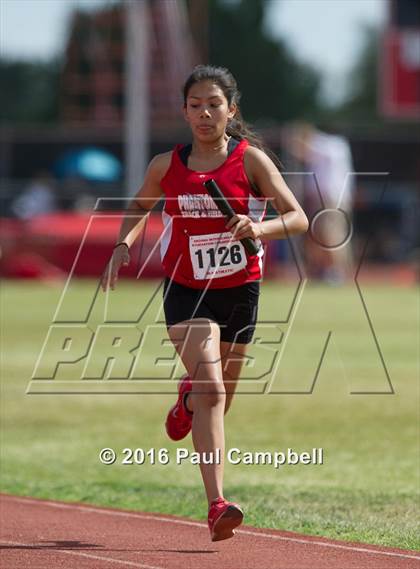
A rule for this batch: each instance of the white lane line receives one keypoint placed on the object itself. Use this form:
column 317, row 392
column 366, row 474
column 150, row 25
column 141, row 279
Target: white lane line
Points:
column 201, row 525
column 89, row 555
column 335, row 545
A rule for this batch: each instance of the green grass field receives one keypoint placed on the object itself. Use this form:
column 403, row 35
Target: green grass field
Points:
column 367, row 488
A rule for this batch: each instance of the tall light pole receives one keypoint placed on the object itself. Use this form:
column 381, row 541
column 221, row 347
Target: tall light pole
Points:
column 137, row 99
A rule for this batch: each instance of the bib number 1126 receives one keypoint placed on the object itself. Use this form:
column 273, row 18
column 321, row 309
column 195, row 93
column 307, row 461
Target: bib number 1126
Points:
column 225, row 254
column 216, row 255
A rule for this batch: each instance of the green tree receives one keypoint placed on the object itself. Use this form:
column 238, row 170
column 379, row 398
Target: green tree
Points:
column 29, row 91
column 275, row 85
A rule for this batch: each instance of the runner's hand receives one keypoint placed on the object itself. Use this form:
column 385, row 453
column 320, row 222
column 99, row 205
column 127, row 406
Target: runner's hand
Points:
column 242, row 226
column 120, row 258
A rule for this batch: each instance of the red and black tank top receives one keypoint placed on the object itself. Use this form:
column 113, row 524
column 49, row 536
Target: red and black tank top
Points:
column 196, row 248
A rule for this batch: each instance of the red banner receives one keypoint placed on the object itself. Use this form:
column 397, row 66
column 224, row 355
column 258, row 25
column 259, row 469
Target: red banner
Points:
column 400, row 73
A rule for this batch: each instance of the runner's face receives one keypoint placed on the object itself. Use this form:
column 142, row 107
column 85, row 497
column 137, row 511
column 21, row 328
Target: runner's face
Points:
column 207, row 111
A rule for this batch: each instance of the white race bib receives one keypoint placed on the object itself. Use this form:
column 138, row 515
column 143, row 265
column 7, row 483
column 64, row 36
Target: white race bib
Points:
column 216, row 255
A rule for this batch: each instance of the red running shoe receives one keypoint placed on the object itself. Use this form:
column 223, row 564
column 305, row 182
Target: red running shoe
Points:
column 179, row 419
column 223, row 518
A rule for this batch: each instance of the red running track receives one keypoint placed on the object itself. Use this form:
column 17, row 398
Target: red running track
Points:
column 39, row 534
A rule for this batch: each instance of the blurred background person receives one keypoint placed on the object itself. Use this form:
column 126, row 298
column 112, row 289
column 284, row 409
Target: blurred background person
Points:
column 327, row 184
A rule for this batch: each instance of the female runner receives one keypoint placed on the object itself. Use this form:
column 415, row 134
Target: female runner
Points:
column 211, row 288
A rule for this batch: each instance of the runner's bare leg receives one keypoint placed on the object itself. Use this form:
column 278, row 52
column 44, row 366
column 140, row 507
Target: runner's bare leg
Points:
column 198, row 344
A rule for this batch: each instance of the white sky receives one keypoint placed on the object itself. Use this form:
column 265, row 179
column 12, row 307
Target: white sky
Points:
column 325, row 33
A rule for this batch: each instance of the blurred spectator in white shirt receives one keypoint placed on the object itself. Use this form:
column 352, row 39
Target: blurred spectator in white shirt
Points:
column 327, row 184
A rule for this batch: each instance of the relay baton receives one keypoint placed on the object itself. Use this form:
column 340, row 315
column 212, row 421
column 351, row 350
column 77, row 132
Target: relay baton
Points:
column 224, row 206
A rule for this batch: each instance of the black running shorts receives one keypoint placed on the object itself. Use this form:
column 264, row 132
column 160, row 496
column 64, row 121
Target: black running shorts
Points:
column 235, row 309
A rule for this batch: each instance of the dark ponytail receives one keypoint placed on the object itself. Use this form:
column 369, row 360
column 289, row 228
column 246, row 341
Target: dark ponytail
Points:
column 239, row 129
column 236, row 127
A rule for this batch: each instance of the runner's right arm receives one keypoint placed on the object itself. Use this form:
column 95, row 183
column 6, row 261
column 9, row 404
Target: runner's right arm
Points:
column 134, row 219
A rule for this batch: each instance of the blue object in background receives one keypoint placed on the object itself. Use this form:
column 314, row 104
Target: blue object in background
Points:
column 90, row 163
